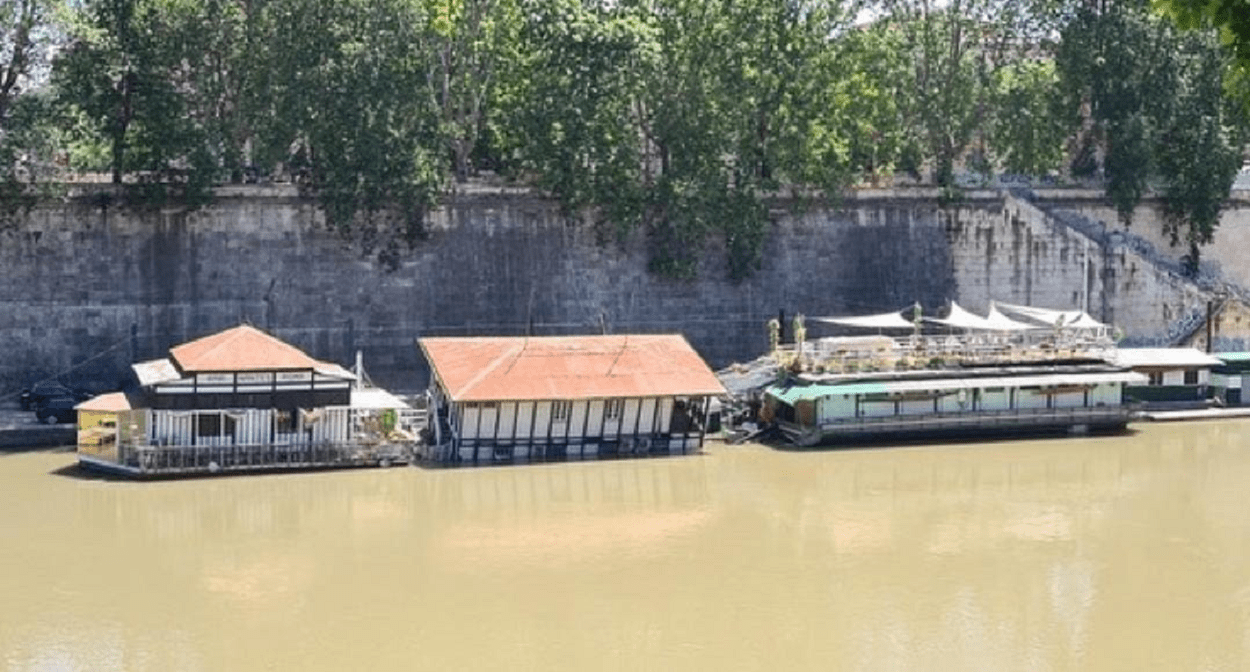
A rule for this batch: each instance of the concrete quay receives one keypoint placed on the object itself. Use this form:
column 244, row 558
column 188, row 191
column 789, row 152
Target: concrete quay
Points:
column 20, row 430
column 1196, row 414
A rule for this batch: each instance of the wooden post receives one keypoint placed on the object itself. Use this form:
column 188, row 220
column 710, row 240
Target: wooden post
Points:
column 1210, row 310
column 551, row 418
column 707, row 404
column 477, row 432
column 638, row 421
column 581, row 444
column 533, row 418
column 603, row 423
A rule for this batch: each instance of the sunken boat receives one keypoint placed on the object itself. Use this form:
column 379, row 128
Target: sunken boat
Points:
column 504, row 399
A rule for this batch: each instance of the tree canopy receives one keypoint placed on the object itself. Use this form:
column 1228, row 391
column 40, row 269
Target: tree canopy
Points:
column 674, row 117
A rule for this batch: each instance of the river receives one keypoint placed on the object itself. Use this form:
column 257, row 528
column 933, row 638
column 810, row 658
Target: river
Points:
column 1128, row 552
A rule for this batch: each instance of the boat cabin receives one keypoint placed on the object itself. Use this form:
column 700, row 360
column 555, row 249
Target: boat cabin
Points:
column 951, row 402
column 506, row 398
column 1174, row 376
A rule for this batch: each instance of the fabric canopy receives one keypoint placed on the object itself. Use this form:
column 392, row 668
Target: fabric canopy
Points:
column 1086, row 322
column 892, row 320
column 1075, row 319
column 1003, row 323
column 962, row 319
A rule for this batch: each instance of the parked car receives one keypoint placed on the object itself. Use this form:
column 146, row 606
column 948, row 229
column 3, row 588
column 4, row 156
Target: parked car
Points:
column 57, row 409
column 39, row 393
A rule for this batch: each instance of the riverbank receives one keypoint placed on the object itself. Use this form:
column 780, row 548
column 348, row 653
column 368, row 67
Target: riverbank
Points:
column 20, row 430
column 1197, row 414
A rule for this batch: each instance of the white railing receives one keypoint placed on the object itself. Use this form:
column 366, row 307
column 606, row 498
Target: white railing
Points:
column 929, row 351
column 190, row 459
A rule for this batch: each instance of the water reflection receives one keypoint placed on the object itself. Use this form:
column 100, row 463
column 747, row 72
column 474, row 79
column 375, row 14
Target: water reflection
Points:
column 1125, row 552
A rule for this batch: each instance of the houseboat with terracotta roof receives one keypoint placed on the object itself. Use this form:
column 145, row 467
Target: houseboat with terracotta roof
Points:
column 242, row 400
column 558, row 397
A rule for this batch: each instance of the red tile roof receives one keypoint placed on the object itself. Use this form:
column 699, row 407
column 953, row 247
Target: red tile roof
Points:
column 568, row 367
column 242, row 348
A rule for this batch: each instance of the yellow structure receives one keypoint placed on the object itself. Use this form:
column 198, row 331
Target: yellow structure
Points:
column 97, row 424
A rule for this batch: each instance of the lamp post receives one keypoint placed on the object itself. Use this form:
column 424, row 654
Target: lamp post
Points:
column 1221, row 295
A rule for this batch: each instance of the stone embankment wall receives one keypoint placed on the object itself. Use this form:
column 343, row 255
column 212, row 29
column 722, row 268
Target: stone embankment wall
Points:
column 1045, row 253
column 89, row 289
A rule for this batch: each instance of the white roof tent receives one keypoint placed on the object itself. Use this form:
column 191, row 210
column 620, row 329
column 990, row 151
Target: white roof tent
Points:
column 1069, row 319
column 894, row 320
column 1021, row 319
column 962, row 319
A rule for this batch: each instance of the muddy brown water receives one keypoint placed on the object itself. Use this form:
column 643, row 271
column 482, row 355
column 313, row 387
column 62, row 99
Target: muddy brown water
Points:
column 1129, row 552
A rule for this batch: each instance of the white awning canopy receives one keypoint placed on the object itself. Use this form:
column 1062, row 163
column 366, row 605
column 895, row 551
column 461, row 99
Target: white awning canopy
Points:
column 959, row 318
column 1071, row 319
column 334, row 371
column 155, row 371
column 892, row 320
column 1085, row 321
column 1001, row 322
column 376, row 398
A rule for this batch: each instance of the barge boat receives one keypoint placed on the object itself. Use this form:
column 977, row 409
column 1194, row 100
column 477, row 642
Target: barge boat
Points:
column 1043, row 371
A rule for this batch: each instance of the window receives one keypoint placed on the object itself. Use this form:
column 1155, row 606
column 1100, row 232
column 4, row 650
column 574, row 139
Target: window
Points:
column 613, row 408
column 207, row 424
column 1191, row 377
column 561, row 410
column 1156, row 378
column 284, row 422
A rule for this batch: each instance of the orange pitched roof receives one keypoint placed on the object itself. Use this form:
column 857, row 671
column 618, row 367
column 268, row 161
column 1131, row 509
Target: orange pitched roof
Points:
column 111, row 401
column 568, row 367
column 242, row 348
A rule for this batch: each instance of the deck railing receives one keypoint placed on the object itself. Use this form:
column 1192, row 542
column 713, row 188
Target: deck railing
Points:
column 971, row 420
column 884, row 353
column 149, row 459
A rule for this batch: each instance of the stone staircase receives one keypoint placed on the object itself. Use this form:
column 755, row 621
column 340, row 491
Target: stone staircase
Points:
column 1207, row 285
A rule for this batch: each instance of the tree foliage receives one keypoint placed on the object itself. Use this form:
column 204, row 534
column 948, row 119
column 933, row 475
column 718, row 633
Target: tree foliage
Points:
column 1149, row 101
column 27, row 35
column 678, row 119
column 349, row 107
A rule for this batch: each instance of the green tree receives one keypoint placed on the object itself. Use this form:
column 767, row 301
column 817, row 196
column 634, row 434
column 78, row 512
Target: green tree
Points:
column 1229, row 18
column 28, row 31
column 121, row 73
column 959, row 56
column 868, row 91
column 678, row 117
column 344, row 105
column 469, row 43
column 214, row 77
column 1028, row 130
column 1149, row 102
column 1199, row 149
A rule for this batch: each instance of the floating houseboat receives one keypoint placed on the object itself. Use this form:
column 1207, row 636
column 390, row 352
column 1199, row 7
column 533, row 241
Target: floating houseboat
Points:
column 977, row 375
column 242, row 400
column 557, row 397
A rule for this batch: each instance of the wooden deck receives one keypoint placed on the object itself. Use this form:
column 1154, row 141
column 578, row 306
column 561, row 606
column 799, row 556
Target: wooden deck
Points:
column 189, row 460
